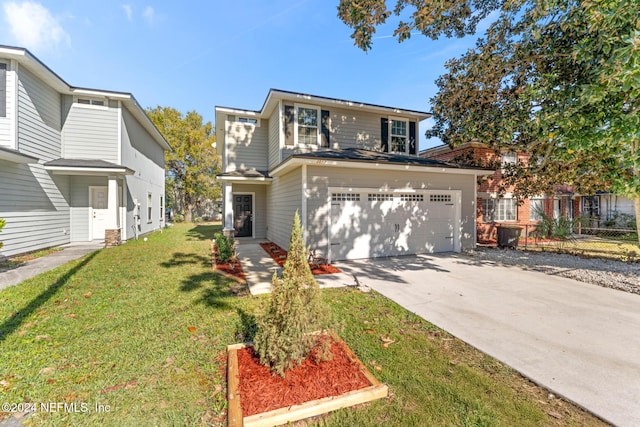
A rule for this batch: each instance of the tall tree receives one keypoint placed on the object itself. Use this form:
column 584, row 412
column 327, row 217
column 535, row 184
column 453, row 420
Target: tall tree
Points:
column 192, row 166
column 559, row 79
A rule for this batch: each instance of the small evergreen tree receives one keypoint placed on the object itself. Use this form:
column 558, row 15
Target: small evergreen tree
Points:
column 295, row 310
column 2, row 223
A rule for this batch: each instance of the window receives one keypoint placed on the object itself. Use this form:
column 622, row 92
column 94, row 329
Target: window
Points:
column 508, row 158
column 440, row 198
column 345, row 197
column 591, row 206
column 379, row 197
column 250, row 121
column 398, row 136
column 499, row 210
column 90, row 101
column 307, row 121
column 536, row 209
column 412, row 197
column 161, row 208
column 3, row 89
column 149, row 207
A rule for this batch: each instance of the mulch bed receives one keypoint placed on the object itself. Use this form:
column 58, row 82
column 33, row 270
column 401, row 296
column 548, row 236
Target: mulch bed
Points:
column 231, row 268
column 261, row 391
column 279, row 255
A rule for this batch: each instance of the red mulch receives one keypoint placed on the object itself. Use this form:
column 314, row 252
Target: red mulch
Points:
column 279, row 255
column 230, row 268
column 260, row 391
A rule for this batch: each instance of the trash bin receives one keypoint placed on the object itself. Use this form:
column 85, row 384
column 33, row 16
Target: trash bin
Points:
column 508, row 236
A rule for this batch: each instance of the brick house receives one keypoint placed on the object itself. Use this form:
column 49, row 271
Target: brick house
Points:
column 491, row 210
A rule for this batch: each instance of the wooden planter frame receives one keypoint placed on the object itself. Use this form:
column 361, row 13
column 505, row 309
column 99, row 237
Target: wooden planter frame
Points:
column 293, row 413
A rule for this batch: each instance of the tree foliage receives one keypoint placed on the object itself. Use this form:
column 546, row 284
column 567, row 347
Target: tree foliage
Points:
column 558, row 79
column 2, row 224
column 192, row 166
column 295, row 310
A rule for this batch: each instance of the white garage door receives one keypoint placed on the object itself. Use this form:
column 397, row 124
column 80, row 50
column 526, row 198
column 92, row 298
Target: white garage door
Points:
column 369, row 224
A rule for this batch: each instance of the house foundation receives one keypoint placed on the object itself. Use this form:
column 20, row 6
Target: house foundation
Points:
column 112, row 238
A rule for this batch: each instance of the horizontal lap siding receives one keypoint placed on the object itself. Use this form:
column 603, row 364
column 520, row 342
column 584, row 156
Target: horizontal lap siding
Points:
column 320, row 178
column 285, row 198
column 354, row 129
column 260, row 206
column 91, row 133
column 80, row 209
column 35, row 207
column 247, row 146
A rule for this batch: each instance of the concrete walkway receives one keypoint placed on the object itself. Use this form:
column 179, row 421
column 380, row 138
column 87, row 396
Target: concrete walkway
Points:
column 579, row 340
column 259, row 267
column 32, row 268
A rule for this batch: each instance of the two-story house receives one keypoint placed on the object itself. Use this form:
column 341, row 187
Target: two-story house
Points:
column 76, row 164
column 350, row 169
column 497, row 205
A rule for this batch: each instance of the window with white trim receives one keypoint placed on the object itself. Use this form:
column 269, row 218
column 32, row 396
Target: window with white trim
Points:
column 536, row 209
column 249, row 121
column 161, row 208
column 591, row 205
column 496, row 210
column 508, row 158
column 398, row 136
column 3, row 89
column 91, row 101
column 149, row 207
column 345, row 197
column 307, row 124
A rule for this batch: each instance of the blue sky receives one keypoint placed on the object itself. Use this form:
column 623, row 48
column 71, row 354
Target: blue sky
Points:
column 194, row 55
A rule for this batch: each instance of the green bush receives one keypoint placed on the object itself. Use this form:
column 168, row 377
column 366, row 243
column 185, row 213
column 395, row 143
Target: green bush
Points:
column 2, row 224
column 284, row 337
column 225, row 246
column 178, row 218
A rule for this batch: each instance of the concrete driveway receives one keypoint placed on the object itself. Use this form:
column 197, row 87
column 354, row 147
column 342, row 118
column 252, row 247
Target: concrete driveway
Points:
column 581, row 341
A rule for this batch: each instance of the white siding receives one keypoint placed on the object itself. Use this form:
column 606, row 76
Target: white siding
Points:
column 91, row 132
column 275, row 123
column 247, row 146
column 39, row 118
column 284, row 197
column 320, row 178
column 35, row 206
column 142, row 154
column 7, row 139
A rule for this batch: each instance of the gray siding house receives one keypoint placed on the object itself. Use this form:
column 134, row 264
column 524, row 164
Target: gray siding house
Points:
column 352, row 171
column 75, row 164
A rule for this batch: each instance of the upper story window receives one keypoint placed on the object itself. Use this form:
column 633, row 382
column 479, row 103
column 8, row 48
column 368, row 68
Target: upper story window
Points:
column 399, row 136
column 307, row 125
column 96, row 102
column 508, row 158
column 249, row 121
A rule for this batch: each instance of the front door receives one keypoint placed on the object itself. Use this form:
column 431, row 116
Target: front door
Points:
column 243, row 215
column 99, row 211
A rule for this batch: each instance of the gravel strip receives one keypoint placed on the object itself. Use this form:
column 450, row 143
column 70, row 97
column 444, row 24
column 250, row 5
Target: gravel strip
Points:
column 607, row 273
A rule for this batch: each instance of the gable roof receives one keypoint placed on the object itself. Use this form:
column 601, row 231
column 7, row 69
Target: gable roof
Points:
column 37, row 67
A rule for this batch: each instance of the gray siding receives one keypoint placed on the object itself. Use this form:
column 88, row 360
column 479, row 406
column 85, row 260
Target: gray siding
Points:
column 91, row 132
column 6, row 138
column 285, row 196
column 319, row 179
column 35, row 206
column 260, row 206
column 142, row 154
column 247, row 146
column 80, row 206
column 274, row 138
column 39, row 118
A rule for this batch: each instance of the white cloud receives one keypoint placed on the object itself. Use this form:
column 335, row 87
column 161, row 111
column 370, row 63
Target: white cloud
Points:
column 149, row 15
column 33, row 26
column 128, row 10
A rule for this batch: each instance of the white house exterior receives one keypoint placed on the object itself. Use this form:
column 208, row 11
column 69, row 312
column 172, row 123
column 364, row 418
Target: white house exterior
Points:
column 75, row 164
column 352, row 171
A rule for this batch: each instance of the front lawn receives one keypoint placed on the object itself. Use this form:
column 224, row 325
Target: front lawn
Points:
column 135, row 335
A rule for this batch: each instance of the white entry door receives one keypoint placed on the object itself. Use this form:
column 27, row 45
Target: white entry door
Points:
column 98, row 211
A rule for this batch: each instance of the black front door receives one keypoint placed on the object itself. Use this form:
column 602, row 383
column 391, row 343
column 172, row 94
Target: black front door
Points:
column 243, row 217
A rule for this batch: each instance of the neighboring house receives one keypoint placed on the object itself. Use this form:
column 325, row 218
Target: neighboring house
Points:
column 75, row 164
column 352, row 171
column 495, row 209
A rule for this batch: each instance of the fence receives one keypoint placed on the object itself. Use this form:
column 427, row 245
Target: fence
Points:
column 614, row 243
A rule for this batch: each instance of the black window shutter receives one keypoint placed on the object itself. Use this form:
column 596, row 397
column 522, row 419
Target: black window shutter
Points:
column 288, row 125
column 412, row 138
column 3, row 90
column 384, row 134
column 324, row 131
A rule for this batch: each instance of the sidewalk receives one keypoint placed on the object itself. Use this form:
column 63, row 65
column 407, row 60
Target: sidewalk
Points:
column 259, row 267
column 70, row 252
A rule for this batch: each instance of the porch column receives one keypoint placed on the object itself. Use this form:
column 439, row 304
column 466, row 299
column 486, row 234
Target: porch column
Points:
column 228, row 209
column 112, row 226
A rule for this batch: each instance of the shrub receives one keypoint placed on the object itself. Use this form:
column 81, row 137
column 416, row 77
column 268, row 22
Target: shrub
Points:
column 178, row 218
column 284, row 337
column 225, row 246
column 2, row 224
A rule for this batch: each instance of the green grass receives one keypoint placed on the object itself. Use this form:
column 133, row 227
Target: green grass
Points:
column 142, row 328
